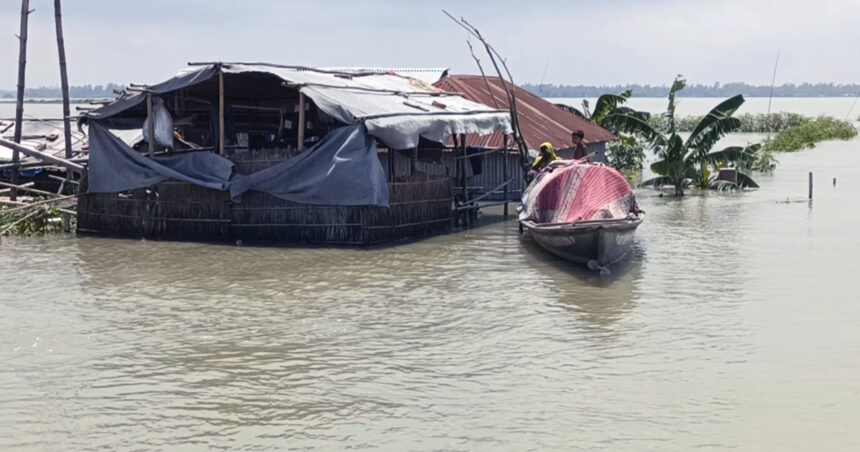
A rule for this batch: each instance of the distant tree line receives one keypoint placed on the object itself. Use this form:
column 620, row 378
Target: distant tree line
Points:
column 715, row 90
column 78, row 92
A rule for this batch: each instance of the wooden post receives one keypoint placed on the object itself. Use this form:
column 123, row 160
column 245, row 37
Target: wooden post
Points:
column 458, row 163
column 301, row 144
column 64, row 86
column 810, row 185
column 221, row 133
column 64, row 78
column 468, row 216
column 390, row 165
column 505, row 170
column 19, row 105
column 150, row 120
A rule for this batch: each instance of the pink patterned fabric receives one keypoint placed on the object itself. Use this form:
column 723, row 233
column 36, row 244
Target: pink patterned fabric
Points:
column 569, row 192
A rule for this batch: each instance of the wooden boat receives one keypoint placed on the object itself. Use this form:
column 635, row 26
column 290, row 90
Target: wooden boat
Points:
column 596, row 244
column 583, row 213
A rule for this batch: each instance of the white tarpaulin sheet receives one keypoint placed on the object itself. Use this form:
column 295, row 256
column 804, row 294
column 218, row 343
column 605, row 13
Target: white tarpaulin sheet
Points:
column 396, row 110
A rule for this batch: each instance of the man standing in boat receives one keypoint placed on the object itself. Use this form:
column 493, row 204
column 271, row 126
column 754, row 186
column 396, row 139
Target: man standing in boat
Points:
column 579, row 149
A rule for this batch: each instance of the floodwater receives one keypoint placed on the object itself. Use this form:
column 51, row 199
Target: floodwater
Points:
column 734, row 323
column 846, row 108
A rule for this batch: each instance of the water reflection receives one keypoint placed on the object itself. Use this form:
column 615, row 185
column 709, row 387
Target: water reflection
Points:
column 595, row 299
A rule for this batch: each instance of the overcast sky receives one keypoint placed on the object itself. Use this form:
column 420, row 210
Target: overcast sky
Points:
column 594, row 42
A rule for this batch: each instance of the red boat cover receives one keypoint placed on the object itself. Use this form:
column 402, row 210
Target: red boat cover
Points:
column 568, row 192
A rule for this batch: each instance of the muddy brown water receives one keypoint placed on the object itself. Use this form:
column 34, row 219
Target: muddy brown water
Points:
column 735, row 322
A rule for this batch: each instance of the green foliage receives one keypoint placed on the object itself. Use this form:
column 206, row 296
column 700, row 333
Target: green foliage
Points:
column 813, row 131
column 750, row 122
column 38, row 220
column 688, row 162
column 626, row 153
column 611, row 114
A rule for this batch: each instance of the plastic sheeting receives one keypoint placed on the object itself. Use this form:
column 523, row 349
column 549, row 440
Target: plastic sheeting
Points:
column 396, row 110
column 343, row 169
column 568, row 192
column 162, row 122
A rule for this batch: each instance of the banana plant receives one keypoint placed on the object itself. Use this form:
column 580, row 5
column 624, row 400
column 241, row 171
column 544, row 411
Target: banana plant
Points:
column 610, row 113
column 685, row 162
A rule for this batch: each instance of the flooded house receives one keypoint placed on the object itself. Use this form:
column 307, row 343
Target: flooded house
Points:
column 283, row 154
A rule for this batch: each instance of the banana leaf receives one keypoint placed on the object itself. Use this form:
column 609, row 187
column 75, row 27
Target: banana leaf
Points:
column 677, row 85
column 658, row 181
column 745, row 181
column 608, row 103
column 570, row 109
column 723, row 185
column 633, row 124
column 718, row 122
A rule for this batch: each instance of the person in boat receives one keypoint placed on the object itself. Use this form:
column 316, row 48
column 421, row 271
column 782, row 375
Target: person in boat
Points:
column 579, row 149
column 547, row 155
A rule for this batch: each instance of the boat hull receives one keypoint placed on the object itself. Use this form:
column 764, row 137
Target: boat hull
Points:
column 596, row 244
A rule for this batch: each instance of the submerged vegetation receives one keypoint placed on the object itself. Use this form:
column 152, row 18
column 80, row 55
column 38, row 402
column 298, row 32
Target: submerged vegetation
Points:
column 750, row 122
column 810, row 132
column 41, row 216
column 625, row 154
column 37, row 221
column 689, row 162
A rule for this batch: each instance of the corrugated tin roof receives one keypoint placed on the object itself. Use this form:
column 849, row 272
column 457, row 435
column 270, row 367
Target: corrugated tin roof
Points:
column 540, row 120
column 396, row 109
column 45, row 135
column 429, row 75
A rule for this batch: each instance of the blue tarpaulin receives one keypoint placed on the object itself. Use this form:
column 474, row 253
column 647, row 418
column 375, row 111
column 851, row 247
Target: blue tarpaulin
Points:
column 343, row 169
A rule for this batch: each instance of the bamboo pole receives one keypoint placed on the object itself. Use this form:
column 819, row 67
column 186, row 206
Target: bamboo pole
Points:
column 5, row 192
column 505, row 169
column 221, row 133
column 64, row 79
column 19, row 104
column 458, row 163
column 468, row 217
column 64, row 86
column 150, row 121
column 40, row 155
column 31, row 190
column 38, row 203
column 391, row 172
column 301, row 144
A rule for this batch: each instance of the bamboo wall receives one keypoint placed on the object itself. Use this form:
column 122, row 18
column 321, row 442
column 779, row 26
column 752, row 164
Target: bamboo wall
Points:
column 173, row 210
column 492, row 175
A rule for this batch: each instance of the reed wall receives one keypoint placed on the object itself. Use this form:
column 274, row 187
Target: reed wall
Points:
column 420, row 205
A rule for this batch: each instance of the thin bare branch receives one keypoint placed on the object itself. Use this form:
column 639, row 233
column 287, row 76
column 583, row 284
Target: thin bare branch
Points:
column 483, row 75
